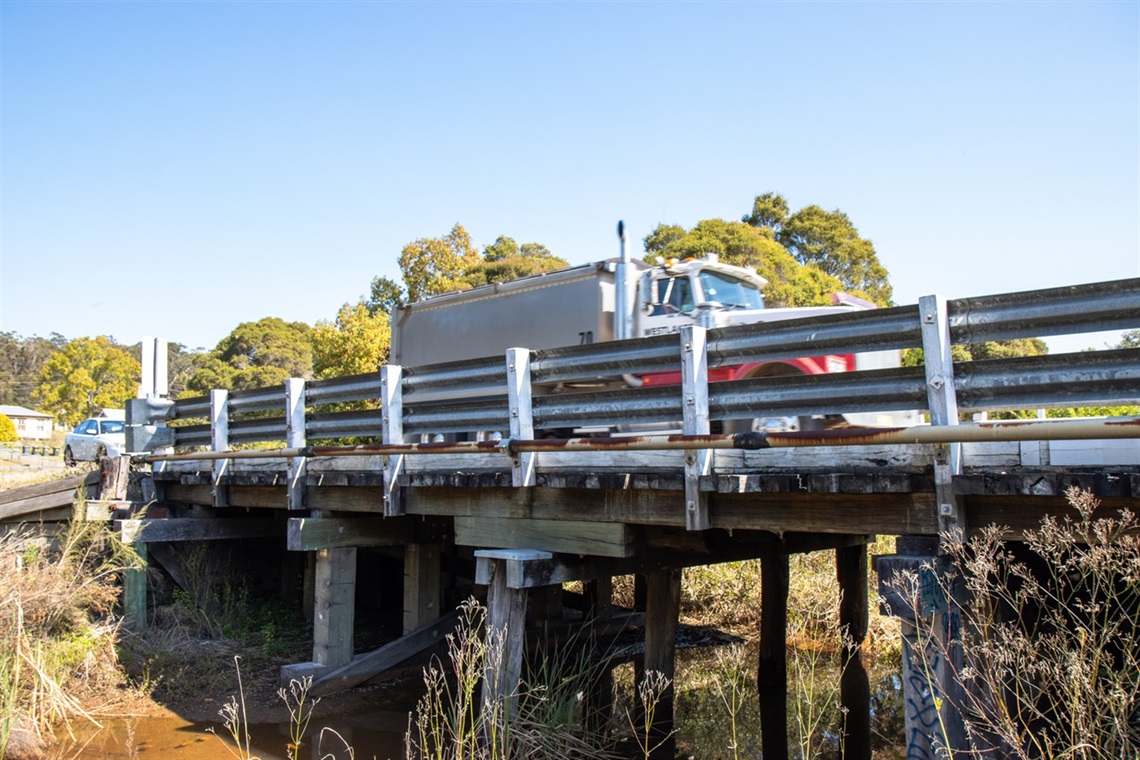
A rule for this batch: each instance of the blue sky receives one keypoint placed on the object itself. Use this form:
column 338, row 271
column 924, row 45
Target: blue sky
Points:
column 176, row 168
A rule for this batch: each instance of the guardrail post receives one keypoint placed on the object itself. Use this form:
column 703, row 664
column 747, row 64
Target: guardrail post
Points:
column 295, row 439
column 220, row 441
column 943, row 404
column 392, row 409
column 154, row 368
column 522, row 420
column 695, row 391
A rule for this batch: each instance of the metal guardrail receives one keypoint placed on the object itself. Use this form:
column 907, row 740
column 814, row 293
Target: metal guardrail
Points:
column 474, row 397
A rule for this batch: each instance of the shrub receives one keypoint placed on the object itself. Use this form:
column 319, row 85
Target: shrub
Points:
column 58, row 629
column 7, row 429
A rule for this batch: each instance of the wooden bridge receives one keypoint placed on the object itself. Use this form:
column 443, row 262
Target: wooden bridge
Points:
column 515, row 513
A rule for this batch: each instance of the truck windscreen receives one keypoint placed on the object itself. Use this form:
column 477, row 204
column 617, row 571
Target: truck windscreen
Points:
column 730, row 291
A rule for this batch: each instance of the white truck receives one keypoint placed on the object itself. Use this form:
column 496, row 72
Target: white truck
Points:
column 590, row 304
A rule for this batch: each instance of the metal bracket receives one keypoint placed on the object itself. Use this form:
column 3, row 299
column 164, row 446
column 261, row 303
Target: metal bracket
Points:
column 220, row 441
column 295, row 439
column 392, row 410
column 943, row 404
column 522, row 419
column 695, row 410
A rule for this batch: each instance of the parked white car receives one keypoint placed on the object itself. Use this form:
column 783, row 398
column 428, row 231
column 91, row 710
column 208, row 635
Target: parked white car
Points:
column 95, row 438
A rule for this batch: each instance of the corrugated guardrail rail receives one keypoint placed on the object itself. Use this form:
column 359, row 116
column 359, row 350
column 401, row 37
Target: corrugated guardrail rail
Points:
column 474, row 393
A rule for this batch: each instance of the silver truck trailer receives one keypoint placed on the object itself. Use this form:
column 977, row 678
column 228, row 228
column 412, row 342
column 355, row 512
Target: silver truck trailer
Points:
column 563, row 308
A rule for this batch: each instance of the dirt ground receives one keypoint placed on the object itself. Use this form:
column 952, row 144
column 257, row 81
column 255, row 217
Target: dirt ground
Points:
column 196, row 678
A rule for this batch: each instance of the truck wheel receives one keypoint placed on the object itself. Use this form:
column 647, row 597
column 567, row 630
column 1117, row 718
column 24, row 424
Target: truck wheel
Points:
column 68, row 456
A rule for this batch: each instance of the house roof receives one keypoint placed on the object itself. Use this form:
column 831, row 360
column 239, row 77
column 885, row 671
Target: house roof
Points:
column 20, row 411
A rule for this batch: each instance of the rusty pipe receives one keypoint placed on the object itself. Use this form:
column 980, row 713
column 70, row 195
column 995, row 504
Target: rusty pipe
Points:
column 1004, row 430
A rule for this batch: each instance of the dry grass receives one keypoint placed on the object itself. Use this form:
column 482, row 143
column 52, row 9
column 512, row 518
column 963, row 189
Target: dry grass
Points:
column 1052, row 659
column 727, row 596
column 18, row 476
column 58, row 629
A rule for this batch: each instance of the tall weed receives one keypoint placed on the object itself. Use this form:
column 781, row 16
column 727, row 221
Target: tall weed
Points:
column 452, row 721
column 1052, row 657
column 58, row 627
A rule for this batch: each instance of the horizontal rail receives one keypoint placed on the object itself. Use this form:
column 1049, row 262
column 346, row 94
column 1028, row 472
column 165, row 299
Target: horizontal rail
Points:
column 1054, row 311
column 850, row 332
column 339, row 389
column 468, row 396
column 1011, row 430
column 189, row 408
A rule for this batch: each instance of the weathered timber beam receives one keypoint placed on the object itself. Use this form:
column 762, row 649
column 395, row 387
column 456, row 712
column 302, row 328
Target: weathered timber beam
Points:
column 567, row 536
column 55, row 514
column 892, row 514
column 369, row 665
column 196, row 529
column 63, row 485
column 32, row 529
column 854, row 686
column 345, row 498
column 535, row 569
column 251, row 497
column 772, row 666
column 662, row 610
column 310, row 534
column 334, row 606
column 102, row 509
column 1018, row 515
column 17, row 502
column 506, row 626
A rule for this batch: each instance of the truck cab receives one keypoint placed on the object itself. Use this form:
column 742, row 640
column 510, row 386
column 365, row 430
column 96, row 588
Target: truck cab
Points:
column 679, row 293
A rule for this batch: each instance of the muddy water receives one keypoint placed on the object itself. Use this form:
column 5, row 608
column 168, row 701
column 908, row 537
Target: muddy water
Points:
column 374, row 734
column 706, row 728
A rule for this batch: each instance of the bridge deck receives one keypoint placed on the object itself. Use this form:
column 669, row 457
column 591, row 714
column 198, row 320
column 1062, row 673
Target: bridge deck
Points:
column 857, row 490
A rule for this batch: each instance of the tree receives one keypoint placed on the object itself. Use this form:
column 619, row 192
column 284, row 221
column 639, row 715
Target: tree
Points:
column 357, row 342
column 503, row 248
column 86, row 376
column 21, row 360
column 1130, row 339
column 662, row 236
column 7, row 429
column 768, row 210
column 829, row 241
column 386, row 295
column 257, row 355
column 505, row 261
column 182, row 363
column 431, row 266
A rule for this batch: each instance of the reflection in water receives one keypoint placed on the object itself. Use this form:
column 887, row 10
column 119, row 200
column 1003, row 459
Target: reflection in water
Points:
column 709, row 681
column 374, row 734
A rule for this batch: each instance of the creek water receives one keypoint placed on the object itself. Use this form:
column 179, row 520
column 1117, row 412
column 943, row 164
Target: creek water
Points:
column 706, row 727
column 371, row 734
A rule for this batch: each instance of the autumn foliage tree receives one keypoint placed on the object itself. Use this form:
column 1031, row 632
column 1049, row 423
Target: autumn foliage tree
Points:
column 432, row 266
column 7, row 429
column 86, row 376
column 438, row 265
column 355, row 343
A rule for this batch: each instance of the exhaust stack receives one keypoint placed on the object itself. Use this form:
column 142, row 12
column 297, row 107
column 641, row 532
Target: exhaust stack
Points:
column 621, row 289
